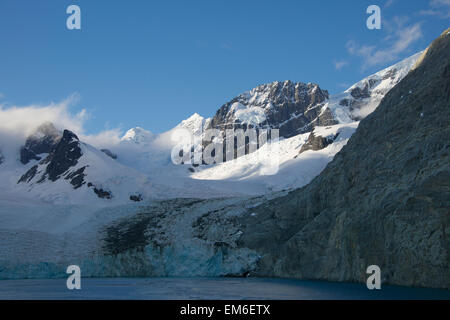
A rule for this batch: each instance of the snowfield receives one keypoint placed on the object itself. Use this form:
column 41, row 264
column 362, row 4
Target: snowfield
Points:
column 294, row 170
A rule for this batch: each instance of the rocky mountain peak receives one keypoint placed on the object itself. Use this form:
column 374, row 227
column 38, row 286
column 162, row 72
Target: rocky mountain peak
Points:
column 278, row 93
column 43, row 140
column 287, row 106
column 68, row 136
column 62, row 157
column 65, row 155
column 194, row 117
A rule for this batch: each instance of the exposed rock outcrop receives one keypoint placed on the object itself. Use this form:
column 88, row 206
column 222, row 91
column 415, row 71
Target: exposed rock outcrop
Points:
column 103, row 194
column 63, row 156
column 77, row 177
column 136, row 197
column 43, row 141
column 317, row 142
column 66, row 155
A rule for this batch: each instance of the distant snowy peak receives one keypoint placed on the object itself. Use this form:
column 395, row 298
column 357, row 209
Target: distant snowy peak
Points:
column 290, row 107
column 138, row 136
column 363, row 97
column 195, row 124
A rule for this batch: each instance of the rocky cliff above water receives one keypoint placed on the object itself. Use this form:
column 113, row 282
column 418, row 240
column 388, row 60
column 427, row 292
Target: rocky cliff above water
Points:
column 383, row 200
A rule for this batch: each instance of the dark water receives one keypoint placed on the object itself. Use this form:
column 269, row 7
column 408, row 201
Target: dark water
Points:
column 207, row 288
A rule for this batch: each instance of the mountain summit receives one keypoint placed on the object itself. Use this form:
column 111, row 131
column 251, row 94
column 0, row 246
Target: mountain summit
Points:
column 293, row 108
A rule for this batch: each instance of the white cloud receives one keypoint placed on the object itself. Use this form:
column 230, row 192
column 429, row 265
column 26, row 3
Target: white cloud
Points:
column 438, row 8
column 397, row 42
column 104, row 139
column 340, row 64
column 389, row 3
column 23, row 120
column 227, row 46
column 18, row 122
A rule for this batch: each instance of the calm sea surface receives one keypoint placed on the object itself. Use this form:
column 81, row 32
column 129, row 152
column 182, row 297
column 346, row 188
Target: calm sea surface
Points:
column 207, row 288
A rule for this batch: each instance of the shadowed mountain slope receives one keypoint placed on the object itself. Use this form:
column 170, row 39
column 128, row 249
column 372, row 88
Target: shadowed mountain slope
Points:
column 383, row 200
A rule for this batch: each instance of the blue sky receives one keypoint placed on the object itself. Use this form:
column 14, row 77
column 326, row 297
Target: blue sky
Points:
column 154, row 63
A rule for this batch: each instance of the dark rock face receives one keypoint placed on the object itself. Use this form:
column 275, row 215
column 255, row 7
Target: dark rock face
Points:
column 63, row 156
column 77, row 177
column 359, row 93
column 136, row 197
column 317, row 142
column 26, row 155
column 289, row 107
column 2, row 158
column 29, row 175
column 383, row 200
column 109, row 153
column 103, row 194
column 44, row 140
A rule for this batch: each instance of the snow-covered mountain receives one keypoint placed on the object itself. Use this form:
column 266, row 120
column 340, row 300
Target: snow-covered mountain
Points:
column 293, row 108
column 138, row 135
column 363, row 97
column 75, row 172
column 55, row 166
